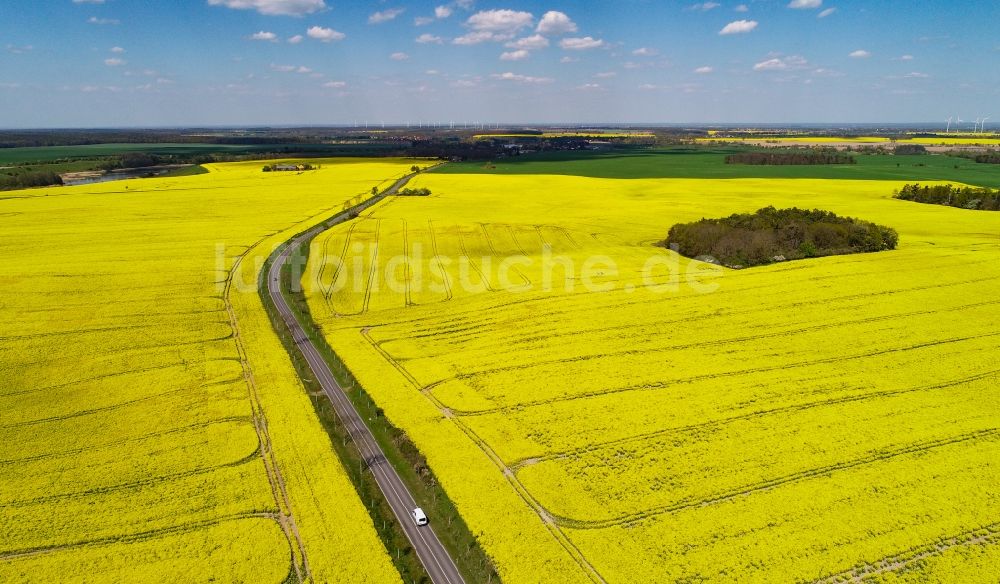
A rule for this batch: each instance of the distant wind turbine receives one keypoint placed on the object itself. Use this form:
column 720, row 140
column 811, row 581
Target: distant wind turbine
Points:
column 982, row 127
column 948, row 128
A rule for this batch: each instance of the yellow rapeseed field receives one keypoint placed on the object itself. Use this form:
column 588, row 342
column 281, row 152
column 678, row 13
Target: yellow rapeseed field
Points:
column 601, row 409
column 956, row 140
column 152, row 427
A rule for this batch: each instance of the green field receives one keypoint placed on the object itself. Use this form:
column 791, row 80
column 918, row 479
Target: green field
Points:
column 710, row 163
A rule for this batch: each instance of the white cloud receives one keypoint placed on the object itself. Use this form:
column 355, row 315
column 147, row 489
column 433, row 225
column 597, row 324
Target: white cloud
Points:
column 704, row 6
column 521, row 78
column 475, row 37
column 805, row 4
column 428, row 38
column 442, row 12
column 647, row 87
column 916, row 75
column 742, row 8
column 88, row 1
column 295, row 39
column 631, row 65
column 605, row 75
column 826, row 13
column 399, row 56
column 568, row 59
column 499, row 21
column 739, row 27
column 589, row 86
column 581, row 44
column 906, row 58
column 532, row 42
column 264, row 36
column 385, row 15
column 782, row 64
column 324, row 34
column 335, row 84
column 464, row 83
column 860, row 54
column 422, row 21
column 645, row 52
column 517, row 55
column 114, row 62
column 555, row 22
column 95, row 20
column 274, row 7
column 291, row 69
column 117, row 50
column 704, row 70
column 20, row 50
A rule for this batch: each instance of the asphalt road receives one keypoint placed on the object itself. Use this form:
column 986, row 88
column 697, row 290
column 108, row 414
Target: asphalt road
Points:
column 431, row 553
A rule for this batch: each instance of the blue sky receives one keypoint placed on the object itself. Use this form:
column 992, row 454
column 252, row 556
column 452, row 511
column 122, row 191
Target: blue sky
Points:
column 86, row 63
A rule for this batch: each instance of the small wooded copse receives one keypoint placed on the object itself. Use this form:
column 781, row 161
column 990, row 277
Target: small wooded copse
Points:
column 771, row 235
column 979, row 198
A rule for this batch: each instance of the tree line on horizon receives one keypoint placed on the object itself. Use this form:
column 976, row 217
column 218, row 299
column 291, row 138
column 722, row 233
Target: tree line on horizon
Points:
column 789, row 158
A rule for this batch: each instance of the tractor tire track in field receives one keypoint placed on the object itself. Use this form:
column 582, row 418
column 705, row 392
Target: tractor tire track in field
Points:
column 328, row 293
column 772, row 483
column 115, row 406
column 775, row 308
column 445, row 278
column 711, row 424
column 547, row 519
column 513, row 237
column 372, row 280
column 100, row 378
column 407, row 269
column 568, row 314
column 149, row 480
column 666, row 384
column 472, row 262
column 139, row 536
column 496, row 254
column 557, row 300
column 722, row 342
column 982, row 536
column 119, row 443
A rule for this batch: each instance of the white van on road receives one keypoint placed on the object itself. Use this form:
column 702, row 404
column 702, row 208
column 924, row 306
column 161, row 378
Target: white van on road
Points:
column 419, row 517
